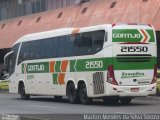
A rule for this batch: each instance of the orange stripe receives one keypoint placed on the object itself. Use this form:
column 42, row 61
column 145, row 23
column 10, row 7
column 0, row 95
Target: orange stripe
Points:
column 61, row 78
column 64, row 65
column 52, row 66
column 75, row 31
column 145, row 36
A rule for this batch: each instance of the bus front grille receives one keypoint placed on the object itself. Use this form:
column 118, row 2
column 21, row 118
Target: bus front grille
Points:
column 98, row 83
column 134, row 58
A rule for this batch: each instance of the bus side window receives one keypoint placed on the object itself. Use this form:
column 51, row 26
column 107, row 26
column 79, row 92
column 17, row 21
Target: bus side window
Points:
column 98, row 40
column 69, row 46
column 54, row 45
column 85, row 43
column 35, row 48
column 24, row 52
column 60, row 48
column 13, row 57
column 46, row 48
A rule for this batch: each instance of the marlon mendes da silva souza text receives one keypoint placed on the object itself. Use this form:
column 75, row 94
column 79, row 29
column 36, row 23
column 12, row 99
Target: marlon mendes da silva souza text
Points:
column 121, row 116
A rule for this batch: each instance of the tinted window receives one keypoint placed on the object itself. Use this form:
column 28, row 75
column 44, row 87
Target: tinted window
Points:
column 35, row 50
column 98, row 40
column 70, row 49
column 12, row 59
column 54, row 49
column 15, row 48
column 60, row 48
column 24, row 52
column 85, row 43
column 46, row 48
column 89, row 42
column 63, row 46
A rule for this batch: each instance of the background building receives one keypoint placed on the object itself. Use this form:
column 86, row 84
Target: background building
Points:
column 16, row 8
column 21, row 17
column 10, row 9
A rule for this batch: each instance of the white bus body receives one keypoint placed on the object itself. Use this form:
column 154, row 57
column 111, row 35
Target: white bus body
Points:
column 114, row 62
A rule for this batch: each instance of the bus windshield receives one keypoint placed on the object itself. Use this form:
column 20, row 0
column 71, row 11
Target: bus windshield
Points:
column 10, row 60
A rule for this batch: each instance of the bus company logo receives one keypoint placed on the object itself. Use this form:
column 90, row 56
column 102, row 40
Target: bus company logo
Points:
column 132, row 35
column 35, row 67
column 131, row 75
column 126, row 35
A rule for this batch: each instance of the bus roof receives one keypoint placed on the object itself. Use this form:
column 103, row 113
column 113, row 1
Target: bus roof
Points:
column 65, row 31
column 42, row 35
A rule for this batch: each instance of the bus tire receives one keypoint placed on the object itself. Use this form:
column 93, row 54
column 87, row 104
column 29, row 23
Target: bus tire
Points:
column 58, row 98
column 83, row 94
column 126, row 100
column 22, row 92
column 110, row 100
column 72, row 93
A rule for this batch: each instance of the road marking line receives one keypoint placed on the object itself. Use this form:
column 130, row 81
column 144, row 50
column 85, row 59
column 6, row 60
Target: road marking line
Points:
column 42, row 106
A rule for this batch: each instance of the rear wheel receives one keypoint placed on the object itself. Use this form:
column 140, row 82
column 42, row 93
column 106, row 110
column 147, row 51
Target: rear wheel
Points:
column 83, row 94
column 72, row 93
column 22, row 92
column 125, row 100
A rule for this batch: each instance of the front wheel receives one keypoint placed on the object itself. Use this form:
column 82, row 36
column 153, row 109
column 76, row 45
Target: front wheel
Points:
column 22, row 92
column 83, row 94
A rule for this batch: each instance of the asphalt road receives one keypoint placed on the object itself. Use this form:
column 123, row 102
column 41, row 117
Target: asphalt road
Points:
column 12, row 104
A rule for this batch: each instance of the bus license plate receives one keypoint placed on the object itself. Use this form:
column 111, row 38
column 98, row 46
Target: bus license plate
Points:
column 134, row 89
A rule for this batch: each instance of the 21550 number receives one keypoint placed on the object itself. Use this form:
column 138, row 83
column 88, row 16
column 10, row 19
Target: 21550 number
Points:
column 134, row 49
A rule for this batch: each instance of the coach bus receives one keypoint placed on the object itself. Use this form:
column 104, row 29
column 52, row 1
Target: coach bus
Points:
column 114, row 62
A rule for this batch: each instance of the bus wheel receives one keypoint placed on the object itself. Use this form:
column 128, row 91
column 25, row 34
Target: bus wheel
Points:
column 72, row 93
column 58, row 98
column 83, row 94
column 22, row 92
column 125, row 100
column 110, row 100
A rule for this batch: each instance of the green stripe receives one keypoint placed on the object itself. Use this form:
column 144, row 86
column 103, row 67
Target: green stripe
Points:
column 81, row 65
column 72, row 64
column 57, row 66
column 96, row 64
column 55, row 78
